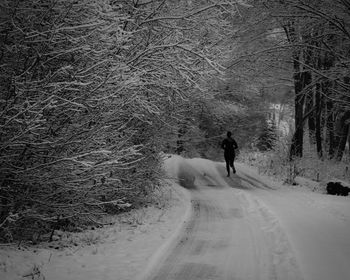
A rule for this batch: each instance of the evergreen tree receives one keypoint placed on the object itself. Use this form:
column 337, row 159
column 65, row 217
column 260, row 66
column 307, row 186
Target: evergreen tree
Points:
column 268, row 136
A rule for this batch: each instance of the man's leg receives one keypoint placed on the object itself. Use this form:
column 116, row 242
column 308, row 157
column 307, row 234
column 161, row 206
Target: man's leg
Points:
column 227, row 160
column 232, row 165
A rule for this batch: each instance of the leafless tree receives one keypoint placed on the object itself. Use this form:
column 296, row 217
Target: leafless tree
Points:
column 88, row 91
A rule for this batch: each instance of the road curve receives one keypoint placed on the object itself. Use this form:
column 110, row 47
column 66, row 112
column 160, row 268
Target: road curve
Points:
column 230, row 235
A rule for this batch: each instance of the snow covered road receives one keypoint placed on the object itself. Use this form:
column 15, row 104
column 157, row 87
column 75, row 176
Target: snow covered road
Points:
column 244, row 228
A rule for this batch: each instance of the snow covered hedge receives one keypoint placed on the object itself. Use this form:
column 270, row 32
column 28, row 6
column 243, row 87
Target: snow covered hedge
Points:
column 90, row 92
column 75, row 134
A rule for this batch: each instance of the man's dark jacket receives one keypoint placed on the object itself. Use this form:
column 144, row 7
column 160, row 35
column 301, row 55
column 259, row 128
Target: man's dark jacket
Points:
column 229, row 145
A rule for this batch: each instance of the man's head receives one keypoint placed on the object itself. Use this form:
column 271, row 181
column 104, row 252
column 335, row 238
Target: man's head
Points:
column 229, row 133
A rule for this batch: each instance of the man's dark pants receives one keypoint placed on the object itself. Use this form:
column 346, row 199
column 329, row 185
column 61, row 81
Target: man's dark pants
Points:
column 229, row 158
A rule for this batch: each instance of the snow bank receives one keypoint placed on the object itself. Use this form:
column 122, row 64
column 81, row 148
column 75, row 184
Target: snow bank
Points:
column 121, row 251
column 317, row 225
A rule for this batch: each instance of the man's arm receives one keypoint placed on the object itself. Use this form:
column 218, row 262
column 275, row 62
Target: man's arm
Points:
column 235, row 144
column 223, row 144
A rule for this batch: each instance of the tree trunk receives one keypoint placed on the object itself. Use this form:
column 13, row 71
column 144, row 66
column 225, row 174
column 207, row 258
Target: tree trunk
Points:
column 342, row 143
column 349, row 145
column 301, row 80
column 318, row 128
column 311, row 118
column 342, row 135
column 330, row 130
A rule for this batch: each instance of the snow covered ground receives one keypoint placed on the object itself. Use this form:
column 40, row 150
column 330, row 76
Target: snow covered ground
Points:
column 118, row 252
column 270, row 230
column 243, row 227
column 317, row 225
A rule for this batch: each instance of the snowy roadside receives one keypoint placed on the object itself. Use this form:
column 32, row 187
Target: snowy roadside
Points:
column 306, row 191
column 317, row 225
column 121, row 251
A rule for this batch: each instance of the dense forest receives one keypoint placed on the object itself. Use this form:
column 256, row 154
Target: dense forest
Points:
column 94, row 92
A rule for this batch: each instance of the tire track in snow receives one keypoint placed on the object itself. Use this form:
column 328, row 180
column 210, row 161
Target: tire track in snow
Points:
column 230, row 235
column 283, row 262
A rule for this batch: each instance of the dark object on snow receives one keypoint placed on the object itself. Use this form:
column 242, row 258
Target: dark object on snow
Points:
column 336, row 188
column 229, row 145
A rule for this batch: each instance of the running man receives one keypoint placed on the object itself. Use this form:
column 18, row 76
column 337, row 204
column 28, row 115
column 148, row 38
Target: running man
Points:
column 229, row 145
